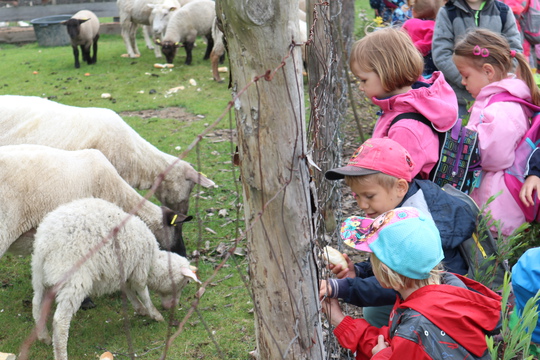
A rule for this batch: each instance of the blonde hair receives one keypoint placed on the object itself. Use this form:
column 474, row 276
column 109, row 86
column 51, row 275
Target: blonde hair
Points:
column 389, row 53
column 389, row 278
column 385, row 180
column 498, row 54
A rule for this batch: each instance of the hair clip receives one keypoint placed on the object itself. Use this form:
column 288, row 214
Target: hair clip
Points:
column 513, row 53
column 478, row 51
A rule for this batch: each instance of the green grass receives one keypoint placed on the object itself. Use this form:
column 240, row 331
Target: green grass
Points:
column 136, row 85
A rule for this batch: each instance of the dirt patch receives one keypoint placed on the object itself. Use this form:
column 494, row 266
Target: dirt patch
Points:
column 176, row 113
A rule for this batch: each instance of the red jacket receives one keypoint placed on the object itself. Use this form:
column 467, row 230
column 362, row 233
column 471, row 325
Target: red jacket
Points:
column 462, row 315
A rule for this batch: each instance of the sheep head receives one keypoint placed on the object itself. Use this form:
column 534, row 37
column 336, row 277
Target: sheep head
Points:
column 168, row 48
column 74, row 26
column 172, row 230
column 168, row 275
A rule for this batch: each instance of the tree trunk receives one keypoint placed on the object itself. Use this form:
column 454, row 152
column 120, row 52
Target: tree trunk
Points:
column 272, row 149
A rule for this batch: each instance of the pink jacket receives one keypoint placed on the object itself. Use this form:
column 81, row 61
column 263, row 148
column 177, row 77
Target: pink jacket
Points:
column 434, row 99
column 421, row 33
column 500, row 127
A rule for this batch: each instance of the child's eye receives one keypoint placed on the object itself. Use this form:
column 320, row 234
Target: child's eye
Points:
column 369, row 197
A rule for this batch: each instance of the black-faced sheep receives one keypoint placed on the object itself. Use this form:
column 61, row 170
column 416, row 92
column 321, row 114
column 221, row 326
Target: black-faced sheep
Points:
column 83, row 30
column 35, row 179
column 132, row 14
column 131, row 258
column 33, row 120
column 191, row 20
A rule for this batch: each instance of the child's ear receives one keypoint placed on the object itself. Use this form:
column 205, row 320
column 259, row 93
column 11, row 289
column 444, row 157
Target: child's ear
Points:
column 402, row 187
column 489, row 70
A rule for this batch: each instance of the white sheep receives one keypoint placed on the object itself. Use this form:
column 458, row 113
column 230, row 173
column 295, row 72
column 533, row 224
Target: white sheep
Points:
column 217, row 51
column 35, row 179
column 83, row 30
column 33, row 120
column 131, row 260
column 160, row 15
column 191, row 20
column 132, row 14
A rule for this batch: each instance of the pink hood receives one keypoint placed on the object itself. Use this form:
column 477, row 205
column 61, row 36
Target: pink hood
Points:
column 435, row 100
column 421, row 33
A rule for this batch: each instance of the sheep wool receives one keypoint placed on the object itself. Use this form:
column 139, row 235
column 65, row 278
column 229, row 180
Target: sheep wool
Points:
column 33, row 120
column 128, row 256
column 35, row 179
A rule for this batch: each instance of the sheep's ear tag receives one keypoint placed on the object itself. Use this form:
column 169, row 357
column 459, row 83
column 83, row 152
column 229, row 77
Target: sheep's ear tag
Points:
column 174, row 219
column 176, row 43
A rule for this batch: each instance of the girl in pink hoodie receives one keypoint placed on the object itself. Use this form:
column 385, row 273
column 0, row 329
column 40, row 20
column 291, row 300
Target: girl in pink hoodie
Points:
column 485, row 61
column 389, row 69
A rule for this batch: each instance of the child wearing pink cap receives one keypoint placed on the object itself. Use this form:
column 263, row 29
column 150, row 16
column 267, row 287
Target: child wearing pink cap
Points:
column 429, row 320
column 380, row 174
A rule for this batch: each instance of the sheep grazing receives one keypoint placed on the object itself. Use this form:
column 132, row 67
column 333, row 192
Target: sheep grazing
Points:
column 35, row 179
column 191, row 20
column 159, row 17
column 33, row 120
column 132, row 14
column 131, row 260
column 83, row 29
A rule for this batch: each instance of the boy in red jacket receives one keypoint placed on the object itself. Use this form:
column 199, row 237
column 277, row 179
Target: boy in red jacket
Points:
column 429, row 320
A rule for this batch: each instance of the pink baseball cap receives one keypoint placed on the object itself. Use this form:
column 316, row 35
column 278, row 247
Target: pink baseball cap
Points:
column 377, row 155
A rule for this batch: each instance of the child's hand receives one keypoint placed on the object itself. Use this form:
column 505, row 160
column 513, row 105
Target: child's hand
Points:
column 324, row 290
column 341, row 272
column 333, row 311
column 381, row 344
column 532, row 184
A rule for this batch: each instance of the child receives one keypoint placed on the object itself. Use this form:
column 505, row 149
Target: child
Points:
column 485, row 60
column 454, row 20
column 380, row 173
column 388, row 67
column 429, row 320
column 532, row 182
column 420, row 29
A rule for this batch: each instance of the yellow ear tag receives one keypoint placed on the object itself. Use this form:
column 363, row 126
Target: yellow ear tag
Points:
column 200, row 172
column 174, row 219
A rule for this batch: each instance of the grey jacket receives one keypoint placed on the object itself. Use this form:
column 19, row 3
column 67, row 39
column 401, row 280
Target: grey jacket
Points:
column 447, row 34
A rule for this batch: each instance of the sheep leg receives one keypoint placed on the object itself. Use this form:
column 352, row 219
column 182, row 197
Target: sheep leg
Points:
column 61, row 323
column 136, row 303
column 76, row 55
column 209, row 47
column 85, row 49
column 42, row 332
column 189, row 48
column 147, row 37
column 144, row 297
column 128, row 32
column 214, row 59
column 94, row 47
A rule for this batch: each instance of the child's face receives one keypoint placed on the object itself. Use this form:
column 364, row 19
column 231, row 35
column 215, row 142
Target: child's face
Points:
column 370, row 84
column 473, row 78
column 376, row 199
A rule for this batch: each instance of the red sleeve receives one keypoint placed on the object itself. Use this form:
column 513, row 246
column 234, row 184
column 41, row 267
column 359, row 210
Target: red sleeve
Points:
column 359, row 336
column 402, row 349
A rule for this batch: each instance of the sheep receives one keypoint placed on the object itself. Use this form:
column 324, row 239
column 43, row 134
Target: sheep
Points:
column 159, row 17
column 191, row 20
column 35, row 179
column 131, row 260
column 33, row 120
column 83, row 30
column 218, row 50
column 132, row 13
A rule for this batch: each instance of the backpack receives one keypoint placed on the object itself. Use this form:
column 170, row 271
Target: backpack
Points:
column 480, row 250
column 503, row 11
column 459, row 157
column 529, row 20
column 514, row 176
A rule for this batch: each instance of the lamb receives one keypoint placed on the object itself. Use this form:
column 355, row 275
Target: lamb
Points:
column 83, row 30
column 131, row 258
column 33, row 120
column 191, row 20
column 36, row 179
column 159, row 17
column 132, row 13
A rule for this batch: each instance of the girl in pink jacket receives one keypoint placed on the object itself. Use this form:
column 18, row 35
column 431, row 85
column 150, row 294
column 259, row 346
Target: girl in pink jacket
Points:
column 389, row 69
column 484, row 60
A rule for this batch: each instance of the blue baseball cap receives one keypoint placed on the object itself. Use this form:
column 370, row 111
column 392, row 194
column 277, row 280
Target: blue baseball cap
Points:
column 404, row 239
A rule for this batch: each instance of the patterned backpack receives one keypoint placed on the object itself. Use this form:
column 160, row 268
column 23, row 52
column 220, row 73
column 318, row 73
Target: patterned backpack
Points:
column 529, row 20
column 459, row 157
column 514, row 176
